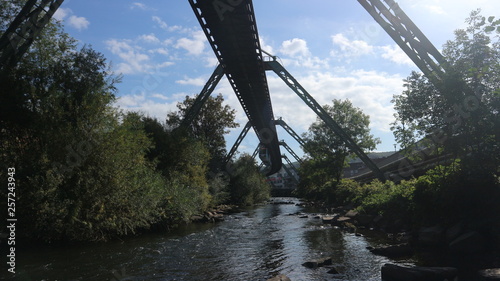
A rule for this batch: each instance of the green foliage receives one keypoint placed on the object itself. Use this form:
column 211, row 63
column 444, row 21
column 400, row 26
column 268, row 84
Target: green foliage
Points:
column 327, row 148
column 447, row 193
column 247, row 185
column 444, row 195
column 351, row 192
column 389, row 199
column 314, row 173
column 219, row 189
column 84, row 170
column 459, row 112
column 210, row 126
column 327, row 152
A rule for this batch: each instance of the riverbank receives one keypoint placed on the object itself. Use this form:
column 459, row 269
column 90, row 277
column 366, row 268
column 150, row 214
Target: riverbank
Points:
column 215, row 214
column 439, row 251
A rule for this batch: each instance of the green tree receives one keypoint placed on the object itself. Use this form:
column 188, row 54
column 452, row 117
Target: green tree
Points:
column 81, row 169
column 328, row 150
column 210, row 126
column 177, row 154
column 460, row 114
column 247, row 185
column 327, row 153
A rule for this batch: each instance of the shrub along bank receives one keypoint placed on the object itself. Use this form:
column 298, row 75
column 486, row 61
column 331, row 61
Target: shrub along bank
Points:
column 446, row 199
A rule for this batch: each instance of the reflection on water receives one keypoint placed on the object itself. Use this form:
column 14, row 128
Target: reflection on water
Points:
column 256, row 244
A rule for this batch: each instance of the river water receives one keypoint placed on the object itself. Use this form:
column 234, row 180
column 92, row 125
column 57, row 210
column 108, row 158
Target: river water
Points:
column 254, row 244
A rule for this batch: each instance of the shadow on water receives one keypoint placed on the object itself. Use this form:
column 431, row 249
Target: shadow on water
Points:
column 255, row 244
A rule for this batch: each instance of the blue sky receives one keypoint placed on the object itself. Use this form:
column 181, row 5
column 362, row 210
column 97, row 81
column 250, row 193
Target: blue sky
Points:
column 333, row 48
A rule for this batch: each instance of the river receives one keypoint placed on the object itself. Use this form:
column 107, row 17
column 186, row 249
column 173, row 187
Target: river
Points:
column 254, row 244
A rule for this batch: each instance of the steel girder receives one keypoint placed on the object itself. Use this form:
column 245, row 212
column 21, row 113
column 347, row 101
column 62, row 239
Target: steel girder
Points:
column 236, row 144
column 290, row 131
column 231, row 30
column 203, row 96
column 408, row 36
column 290, row 150
column 291, row 167
column 280, row 122
column 320, row 111
column 24, row 29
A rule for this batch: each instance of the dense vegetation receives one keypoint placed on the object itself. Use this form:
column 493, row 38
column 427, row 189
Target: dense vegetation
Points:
column 458, row 117
column 327, row 153
column 85, row 170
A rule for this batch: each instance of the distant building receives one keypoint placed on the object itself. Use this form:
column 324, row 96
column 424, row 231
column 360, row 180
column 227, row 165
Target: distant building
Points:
column 356, row 166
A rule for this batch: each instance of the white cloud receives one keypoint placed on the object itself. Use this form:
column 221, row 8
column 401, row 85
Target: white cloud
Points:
column 160, row 22
column 135, row 58
column 138, row 5
column 146, row 106
column 161, row 51
column 294, row 47
column 369, row 90
column 194, row 45
column 134, row 61
column 150, row 38
column 141, row 6
column 307, row 62
column 163, row 25
column 160, row 96
column 395, row 54
column 131, row 100
column 264, row 46
column 435, row 9
column 62, row 13
column 212, row 61
column 192, row 81
column 349, row 48
column 164, row 64
column 79, row 23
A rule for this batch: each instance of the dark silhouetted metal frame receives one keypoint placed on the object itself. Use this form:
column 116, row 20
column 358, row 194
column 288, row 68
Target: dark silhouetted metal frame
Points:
column 23, row 30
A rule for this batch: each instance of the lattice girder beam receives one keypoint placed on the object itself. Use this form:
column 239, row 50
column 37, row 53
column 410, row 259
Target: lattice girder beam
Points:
column 231, row 30
column 238, row 141
column 255, row 152
column 320, row 111
column 291, row 167
column 408, row 36
column 290, row 131
column 203, row 96
column 290, row 150
column 24, row 29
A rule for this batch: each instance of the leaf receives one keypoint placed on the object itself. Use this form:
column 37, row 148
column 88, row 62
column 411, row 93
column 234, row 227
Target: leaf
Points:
column 491, row 18
column 489, row 28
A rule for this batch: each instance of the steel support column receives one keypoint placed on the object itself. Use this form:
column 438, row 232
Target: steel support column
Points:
column 290, row 131
column 291, row 167
column 320, row 111
column 24, row 29
column 408, row 36
column 290, row 150
column 203, row 96
column 238, row 141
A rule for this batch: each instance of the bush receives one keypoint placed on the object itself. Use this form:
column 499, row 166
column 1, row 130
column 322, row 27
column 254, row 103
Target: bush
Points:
column 247, row 185
column 452, row 194
column 389, row 199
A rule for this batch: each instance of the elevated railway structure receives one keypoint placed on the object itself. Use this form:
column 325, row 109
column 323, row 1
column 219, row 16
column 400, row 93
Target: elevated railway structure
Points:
column 231, row 30
column 245, row 131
